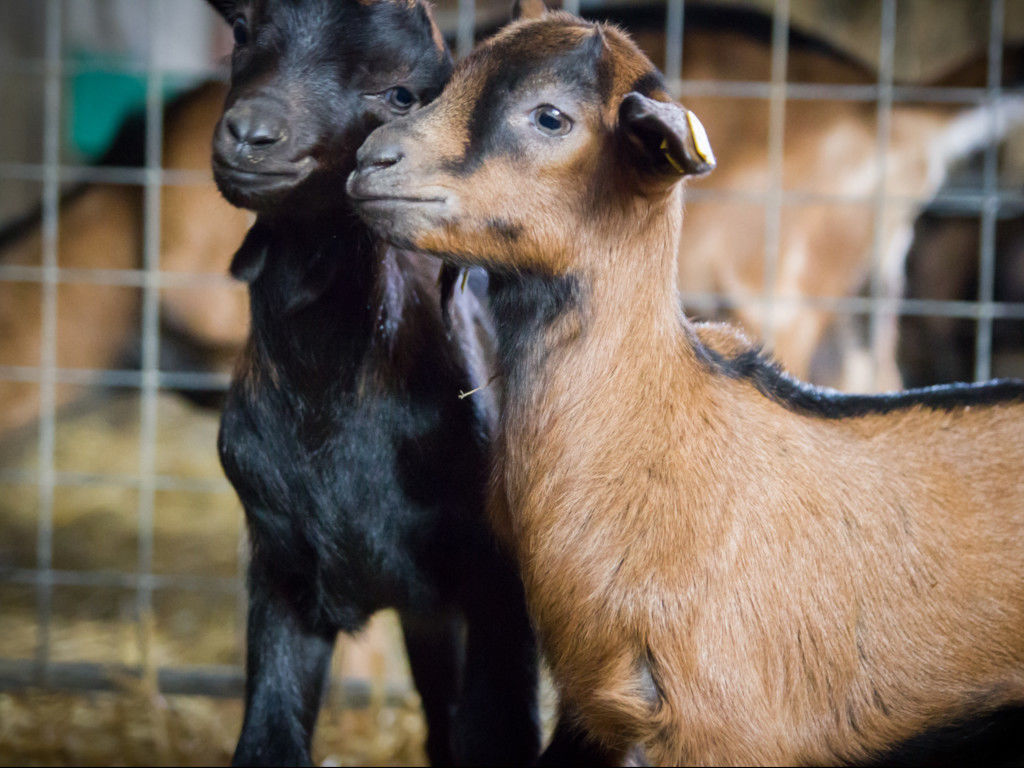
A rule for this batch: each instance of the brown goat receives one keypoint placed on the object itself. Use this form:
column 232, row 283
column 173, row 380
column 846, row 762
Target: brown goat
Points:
column 725, row 565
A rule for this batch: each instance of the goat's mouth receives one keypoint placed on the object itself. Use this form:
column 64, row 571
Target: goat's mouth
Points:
column 400, row 219
column 396, row 201
column 259, row 186
column 374, row 190
column 398, row 212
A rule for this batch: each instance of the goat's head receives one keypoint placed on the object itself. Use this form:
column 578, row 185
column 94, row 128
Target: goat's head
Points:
column 553, row 123
column 310, row 79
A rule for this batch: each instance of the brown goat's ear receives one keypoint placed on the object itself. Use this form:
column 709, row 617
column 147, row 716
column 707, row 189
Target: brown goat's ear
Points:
column 666, row 139
column 251, row 256
column 528, row 9
column 225, row 8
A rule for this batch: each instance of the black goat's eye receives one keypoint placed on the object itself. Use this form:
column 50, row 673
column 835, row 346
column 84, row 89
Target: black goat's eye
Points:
column 551, row 121
column 241, row 31
column 400, row 99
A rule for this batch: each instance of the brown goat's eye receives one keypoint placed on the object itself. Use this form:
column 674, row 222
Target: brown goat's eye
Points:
column 551, row 121
column 400, row 99
column 240, row 30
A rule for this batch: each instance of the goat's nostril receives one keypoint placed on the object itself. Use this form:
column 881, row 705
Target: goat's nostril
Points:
column 382, row 159
column 263, row 135
column 234, row 126
column 386, row 159
column 378, row 152
column 255, row 129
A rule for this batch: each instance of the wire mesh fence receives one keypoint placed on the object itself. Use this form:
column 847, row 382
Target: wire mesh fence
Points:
column 43, row 585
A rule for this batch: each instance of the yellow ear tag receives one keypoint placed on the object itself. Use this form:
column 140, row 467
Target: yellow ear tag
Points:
column 668, row 156
column 700, row 138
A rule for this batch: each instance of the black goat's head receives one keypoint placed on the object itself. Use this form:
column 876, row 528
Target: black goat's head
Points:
column 310, row 79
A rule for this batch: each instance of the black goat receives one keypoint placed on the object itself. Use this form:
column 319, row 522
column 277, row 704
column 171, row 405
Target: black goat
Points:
column 361, row 472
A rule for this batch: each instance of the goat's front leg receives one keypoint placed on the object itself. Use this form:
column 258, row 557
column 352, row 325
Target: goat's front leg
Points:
column 434, row 643
column 286, row 667
column 497, row 721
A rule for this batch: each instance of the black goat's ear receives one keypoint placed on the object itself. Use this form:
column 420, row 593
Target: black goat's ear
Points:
column 251, row 256
column 666, row 139
column 225, row 8
column 528, row 9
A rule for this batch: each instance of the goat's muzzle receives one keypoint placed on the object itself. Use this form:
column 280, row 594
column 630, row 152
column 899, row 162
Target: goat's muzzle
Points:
column 387, row 194
column 256, row 160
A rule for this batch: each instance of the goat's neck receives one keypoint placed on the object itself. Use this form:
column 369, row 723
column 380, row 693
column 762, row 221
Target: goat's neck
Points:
column 596, row 391
column 631, row 276
column 317, row 303
column 614, row 322
column 587, row 357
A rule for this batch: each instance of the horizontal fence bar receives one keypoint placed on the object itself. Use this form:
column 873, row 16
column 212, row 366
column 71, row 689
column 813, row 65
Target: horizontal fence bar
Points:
column 742, row 89
column 35, row 67
column 118, row 580
column 949, row 201
column 213, row 681
column 186, row 380
column 106, row 174
column 901, row 94
column 855, row 305
column 125, row 278
column 967, row 201
column 101, row 480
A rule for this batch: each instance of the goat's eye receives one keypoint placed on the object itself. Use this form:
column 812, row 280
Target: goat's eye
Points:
column 400, row 99
column 551, row 121
column 241, row 31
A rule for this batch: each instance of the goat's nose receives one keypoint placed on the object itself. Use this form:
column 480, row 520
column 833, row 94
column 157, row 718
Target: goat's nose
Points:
column 260, row 128
column 374, row 156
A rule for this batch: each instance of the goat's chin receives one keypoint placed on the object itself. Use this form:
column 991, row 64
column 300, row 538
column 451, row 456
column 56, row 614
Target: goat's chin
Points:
column 404, row 222
column 269, row 189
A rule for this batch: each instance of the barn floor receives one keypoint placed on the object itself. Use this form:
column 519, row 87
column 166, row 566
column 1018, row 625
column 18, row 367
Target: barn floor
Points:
column 136, row 727
column 196, row 533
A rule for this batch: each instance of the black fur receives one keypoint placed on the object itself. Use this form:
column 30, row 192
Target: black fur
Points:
column 361, row 472
column 571, row 746
column 801, row 397
column 649, row 83
column 995, row 739
column 524, row 304
column 505, row 229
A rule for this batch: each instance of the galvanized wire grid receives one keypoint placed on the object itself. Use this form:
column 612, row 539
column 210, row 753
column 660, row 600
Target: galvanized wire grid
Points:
column 149, row 379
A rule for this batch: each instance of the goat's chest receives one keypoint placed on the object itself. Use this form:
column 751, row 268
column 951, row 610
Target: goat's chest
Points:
column 339, row 495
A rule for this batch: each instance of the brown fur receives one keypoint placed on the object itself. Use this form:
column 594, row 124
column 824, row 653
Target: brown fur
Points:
column 825, row 248
column 101, row 228
column 198, row 233
column 715, row 575
column 528, row 9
